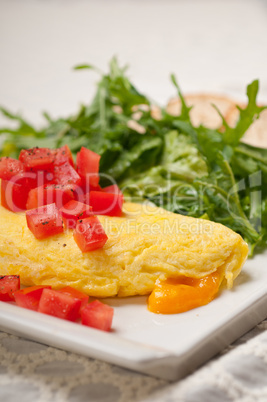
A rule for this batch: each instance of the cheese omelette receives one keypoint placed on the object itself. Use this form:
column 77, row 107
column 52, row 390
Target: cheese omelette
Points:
column 145, row 244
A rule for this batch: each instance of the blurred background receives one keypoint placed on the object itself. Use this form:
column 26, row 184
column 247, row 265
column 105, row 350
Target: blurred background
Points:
column 211, row 45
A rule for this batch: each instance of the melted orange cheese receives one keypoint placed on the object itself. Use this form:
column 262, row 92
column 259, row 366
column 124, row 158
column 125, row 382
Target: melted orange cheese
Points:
column 179, row 295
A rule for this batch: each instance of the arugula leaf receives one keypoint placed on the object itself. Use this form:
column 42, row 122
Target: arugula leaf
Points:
column 169, row 184
column 185, row 109
column 246, row 118
column 24, row 128
column 137, row 159
column 84, row 66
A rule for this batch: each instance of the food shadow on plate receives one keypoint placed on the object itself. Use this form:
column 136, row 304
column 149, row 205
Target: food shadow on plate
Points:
column 243, row 278
column 126, row 301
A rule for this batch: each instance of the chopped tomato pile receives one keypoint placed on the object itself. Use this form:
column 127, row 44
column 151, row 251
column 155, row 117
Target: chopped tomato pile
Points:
column 67, row 303
column 8, row 285
column 57, row 194
column 44, row 221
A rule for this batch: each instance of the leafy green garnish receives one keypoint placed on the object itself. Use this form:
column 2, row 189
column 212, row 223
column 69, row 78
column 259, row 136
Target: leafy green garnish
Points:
column 191, row 170
column 247, row 116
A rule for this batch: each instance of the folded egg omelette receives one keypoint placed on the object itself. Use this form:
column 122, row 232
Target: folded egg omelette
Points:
column 145, row 244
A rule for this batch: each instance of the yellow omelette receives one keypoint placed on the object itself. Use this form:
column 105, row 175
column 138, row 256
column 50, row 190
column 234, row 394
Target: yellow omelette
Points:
column 144, row 245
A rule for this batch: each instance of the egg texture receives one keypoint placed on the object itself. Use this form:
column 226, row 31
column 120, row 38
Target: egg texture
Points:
column 145, row 244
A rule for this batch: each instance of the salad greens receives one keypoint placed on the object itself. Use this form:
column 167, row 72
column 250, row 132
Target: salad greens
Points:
column 190, row 170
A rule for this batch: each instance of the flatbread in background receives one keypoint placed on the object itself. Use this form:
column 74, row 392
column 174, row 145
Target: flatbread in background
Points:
column 204, row 113
column 256, row 135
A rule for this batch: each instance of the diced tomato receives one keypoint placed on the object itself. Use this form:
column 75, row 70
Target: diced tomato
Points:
column 59, row 305
column 8, row 285
column 13, row 196
column 34, row 179
column 113, row 189
column 89, row 234
column 106, row 203
column 84, row 198
column 88, row 166
column 74, row 210
column 44, row 221
column 29, row 180
column 64, row 155
column 10, row 167
column 29, row 297
column 38, row 159
column 66, row 174
column 87, row 187
column 95, row 188
column 83, row 192
column 59, row 194
column 68, row 290
column 35, row 198
column 97, row 315
column 14, row 192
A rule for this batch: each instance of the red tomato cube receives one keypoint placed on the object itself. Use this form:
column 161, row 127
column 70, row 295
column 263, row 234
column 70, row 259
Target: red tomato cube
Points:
column 65, row 174
column 85, row 188
column 64, row 155
column 89, row 234
column 10, row 167
column 30, row 180
column 106, row 203
column 114, row 189
column 68, row 290
column 29, row 297
column 13, row 196
column 58, row 194
column 88, row 166
column 38, row 159
column 83, row 192
column 74, row 210
column 97, row 315
column 44, row 221
column 8, row 285
column 14, row 192
column 59, row 305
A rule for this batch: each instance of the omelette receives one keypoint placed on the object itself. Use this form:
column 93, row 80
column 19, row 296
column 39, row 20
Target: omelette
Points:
column 145, row 245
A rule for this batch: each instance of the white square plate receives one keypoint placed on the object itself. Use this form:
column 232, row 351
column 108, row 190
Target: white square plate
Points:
column 167, row 346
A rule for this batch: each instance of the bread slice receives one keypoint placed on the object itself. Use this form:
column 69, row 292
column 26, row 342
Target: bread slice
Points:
column 204, row 113
column 256, row 135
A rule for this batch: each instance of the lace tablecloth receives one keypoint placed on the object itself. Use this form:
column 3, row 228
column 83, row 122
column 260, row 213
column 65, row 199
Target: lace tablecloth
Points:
column 31, row 371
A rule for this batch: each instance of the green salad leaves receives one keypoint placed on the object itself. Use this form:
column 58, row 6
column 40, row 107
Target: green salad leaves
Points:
column 190, row 170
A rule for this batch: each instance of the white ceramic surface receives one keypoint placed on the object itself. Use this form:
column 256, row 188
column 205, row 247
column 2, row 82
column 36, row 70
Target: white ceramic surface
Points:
column 167, row 346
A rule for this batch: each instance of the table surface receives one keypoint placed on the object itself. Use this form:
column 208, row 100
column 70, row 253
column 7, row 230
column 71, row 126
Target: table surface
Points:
column 212, row 46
